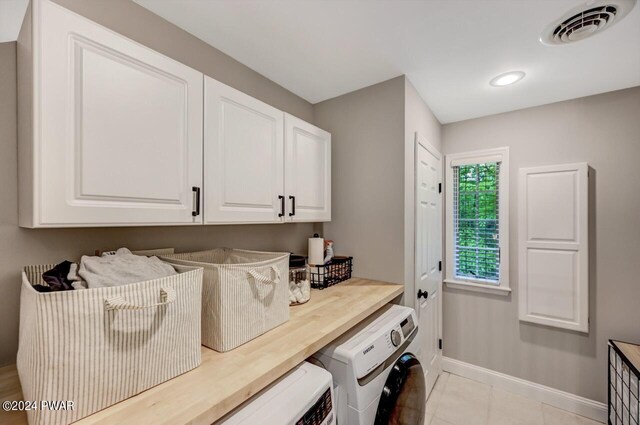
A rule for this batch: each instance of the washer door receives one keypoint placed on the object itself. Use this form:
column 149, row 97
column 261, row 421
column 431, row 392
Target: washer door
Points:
column 404, row 394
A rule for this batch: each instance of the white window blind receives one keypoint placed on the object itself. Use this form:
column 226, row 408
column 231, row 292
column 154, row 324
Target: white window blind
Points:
column 476, row 221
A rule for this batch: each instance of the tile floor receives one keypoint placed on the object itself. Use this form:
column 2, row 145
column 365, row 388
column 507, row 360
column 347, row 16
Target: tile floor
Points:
column 460, row 401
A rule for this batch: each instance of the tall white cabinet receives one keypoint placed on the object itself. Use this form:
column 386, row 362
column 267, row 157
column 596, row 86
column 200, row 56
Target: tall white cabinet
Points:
column 553, row 233
column 111, row 131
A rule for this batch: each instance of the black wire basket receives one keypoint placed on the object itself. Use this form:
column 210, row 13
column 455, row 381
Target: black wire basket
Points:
column 335, row 271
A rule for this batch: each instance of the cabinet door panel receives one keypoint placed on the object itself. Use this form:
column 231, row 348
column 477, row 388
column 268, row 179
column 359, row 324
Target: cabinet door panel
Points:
column 121, row 128
column 244, row 157
column 116, row 119
column 308, row 171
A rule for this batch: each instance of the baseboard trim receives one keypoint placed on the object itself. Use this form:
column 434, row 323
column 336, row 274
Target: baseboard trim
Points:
column 560, row 399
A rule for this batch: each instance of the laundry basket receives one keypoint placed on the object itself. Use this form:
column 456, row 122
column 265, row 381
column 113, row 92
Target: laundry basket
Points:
column 244, row 293
column 96, row 347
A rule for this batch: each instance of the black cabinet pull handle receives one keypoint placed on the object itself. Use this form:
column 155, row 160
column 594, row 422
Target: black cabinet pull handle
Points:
column 196, row 194
column 293, row 206
column 281, row 205
column 423, row 294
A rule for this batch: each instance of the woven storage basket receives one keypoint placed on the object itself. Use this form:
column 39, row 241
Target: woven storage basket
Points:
column 244, row 293
column 96, row 347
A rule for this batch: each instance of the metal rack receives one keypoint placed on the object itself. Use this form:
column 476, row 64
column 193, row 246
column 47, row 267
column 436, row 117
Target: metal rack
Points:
column 624, row 391
column 335, row 271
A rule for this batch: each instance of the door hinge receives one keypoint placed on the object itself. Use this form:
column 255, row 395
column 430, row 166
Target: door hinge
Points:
column 439, row 266
column 440, row 343
column 439, row 187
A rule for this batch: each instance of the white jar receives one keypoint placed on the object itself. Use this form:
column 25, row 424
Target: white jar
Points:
column 299, row 280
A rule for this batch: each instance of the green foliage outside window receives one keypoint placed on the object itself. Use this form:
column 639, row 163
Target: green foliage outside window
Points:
column 476, row 224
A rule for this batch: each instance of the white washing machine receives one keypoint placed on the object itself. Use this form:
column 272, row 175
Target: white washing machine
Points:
column 304, row 396
column 375, row 368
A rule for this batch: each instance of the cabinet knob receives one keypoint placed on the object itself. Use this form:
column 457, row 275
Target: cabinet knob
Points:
column 423, row 294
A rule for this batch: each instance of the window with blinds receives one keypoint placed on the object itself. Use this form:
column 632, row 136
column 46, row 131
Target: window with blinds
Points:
column 476, row 222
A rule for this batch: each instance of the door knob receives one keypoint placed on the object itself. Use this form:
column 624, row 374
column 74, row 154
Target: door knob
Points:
column 423, row 294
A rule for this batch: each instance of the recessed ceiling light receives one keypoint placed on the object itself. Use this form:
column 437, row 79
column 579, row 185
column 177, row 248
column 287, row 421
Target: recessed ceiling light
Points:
column 507, row 78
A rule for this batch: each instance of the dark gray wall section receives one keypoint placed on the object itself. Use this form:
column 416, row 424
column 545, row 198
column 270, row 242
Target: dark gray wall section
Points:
column 367, row 158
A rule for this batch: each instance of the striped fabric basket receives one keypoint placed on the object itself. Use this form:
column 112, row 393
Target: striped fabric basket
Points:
column 244, row 293
column 96, row 347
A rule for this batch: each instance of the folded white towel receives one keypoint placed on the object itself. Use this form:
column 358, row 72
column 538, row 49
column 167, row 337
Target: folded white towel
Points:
column 120, row 268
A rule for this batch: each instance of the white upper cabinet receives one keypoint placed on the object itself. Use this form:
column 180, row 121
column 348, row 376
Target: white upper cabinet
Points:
column 111, row 131
column 307, row 171
column 243, row 157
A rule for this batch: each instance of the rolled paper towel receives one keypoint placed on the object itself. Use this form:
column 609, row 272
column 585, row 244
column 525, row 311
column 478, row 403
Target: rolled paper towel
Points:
column 316, row 250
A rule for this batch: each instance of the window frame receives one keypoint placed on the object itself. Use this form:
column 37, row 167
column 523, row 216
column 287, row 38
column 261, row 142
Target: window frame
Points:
column 468, row 158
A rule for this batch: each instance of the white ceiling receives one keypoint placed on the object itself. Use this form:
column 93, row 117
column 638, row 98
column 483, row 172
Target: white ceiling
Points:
column 449, row 49
column 11, row 16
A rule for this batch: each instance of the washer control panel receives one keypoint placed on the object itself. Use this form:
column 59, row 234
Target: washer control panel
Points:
column 382, row 338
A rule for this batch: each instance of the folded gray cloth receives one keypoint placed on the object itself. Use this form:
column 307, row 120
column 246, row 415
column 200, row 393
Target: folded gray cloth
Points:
column 120, row 268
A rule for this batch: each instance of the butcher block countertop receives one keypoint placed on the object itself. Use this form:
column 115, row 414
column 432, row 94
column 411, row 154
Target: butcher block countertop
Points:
column 226, row 380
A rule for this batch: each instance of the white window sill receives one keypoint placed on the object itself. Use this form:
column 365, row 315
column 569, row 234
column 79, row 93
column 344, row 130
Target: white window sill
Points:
column 477, row 287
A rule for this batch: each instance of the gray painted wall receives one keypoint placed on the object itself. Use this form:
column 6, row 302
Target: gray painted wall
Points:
column 20, row 247
column 373, row 132
column 484, row 330
column 367, row 158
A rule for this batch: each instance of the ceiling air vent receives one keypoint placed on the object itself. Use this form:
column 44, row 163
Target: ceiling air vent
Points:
column 586, row 21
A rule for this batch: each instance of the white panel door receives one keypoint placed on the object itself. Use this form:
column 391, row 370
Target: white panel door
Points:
column 307, row 171
column 243, row 157
column 553, row 246
column 428, row 248
column 430, row 323
column 120, row 136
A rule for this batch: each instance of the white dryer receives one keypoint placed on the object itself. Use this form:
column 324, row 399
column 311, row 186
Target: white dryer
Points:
column 375, row 368
column 304, row 396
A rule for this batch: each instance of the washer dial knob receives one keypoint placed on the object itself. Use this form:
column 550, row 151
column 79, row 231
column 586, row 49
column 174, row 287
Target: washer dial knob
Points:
column 395, row 338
